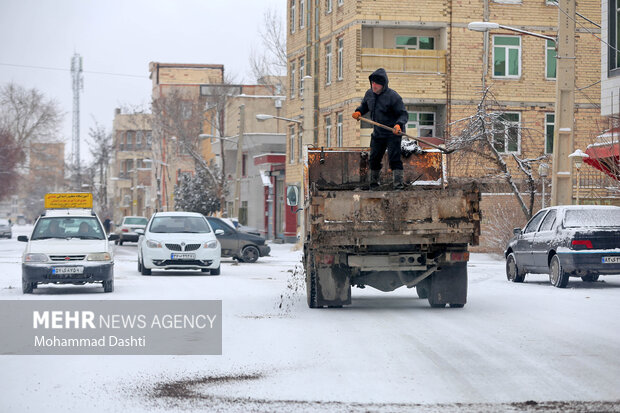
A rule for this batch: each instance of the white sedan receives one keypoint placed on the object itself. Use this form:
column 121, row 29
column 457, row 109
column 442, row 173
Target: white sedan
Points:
column 178, row 241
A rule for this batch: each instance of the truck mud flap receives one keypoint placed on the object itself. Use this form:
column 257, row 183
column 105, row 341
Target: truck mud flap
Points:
column 448, row 285
column 333, row 286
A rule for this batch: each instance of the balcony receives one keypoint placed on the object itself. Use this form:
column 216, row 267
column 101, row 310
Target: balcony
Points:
column 404, row 61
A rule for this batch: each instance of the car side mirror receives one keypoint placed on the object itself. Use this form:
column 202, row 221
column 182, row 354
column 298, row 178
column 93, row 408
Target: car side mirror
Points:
column 113, row 237
column 139, row 231
column 292, row 196
column 219, row 232
column 22, row 238
column 517, row 231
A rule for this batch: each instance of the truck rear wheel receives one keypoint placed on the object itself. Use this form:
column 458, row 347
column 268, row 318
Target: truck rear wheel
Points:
column 449, row 286
column 311, row 293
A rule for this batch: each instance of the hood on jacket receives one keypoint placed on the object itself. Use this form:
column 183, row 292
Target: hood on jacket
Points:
column 380, row 77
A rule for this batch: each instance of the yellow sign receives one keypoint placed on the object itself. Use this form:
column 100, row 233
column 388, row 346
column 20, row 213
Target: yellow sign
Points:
column 73, row 200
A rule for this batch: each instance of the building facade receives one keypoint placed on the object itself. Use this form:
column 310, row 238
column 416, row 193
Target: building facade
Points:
column 440, row 69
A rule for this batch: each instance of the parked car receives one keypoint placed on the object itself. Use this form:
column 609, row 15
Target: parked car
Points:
column 234, row 222
column 240, row 245
column 67, row 246
column 127, row 230
column 5, row 229
column 178, row 241
column 566, row 241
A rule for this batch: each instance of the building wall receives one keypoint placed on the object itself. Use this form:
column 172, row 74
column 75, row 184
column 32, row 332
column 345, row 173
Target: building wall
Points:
column 453, row 82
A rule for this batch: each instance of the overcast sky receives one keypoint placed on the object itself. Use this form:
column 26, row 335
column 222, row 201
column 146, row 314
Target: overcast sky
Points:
column 120, row 37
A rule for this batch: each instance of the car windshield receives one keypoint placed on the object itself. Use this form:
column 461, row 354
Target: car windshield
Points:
column 135, row 221
column 179, row 224
column 68, row 227
column 592, row 218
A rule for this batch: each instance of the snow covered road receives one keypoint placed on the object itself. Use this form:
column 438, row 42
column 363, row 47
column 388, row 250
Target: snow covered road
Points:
column 511, row 344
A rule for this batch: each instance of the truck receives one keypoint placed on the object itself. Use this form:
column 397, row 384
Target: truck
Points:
column 354, row 236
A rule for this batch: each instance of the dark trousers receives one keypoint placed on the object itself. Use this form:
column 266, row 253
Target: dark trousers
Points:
column 378, row 147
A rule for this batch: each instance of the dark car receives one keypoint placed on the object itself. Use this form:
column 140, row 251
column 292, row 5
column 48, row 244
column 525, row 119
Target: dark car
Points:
column 566, row 241
column 237, row 244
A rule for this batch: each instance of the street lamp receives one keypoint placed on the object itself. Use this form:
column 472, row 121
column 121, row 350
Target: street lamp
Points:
column 564, row 134
column 486, row 26
column 578, row 157
column 262, row 117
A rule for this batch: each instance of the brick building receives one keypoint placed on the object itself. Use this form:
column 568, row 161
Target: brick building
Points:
column 439, row 67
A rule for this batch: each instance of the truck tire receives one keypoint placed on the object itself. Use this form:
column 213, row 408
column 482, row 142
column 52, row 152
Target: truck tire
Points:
column 311, row 287
column 448, row 285
column 422, row 289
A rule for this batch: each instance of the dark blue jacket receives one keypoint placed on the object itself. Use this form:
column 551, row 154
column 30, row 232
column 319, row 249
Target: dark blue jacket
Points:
column 386, row 108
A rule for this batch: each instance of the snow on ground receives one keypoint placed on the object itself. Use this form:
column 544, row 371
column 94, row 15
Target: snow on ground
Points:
column 514, row 347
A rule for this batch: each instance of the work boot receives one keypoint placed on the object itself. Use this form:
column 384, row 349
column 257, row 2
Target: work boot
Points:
column 374, row 178
column 397, row 175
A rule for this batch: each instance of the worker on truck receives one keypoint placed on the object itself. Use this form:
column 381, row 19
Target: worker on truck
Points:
column 386, row 107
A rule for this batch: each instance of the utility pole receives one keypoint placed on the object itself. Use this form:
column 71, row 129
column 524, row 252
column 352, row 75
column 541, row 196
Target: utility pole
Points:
column 239, row 161
column 77, row 84
column 564, row 130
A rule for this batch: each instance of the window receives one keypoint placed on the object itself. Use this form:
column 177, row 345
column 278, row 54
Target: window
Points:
column 340, row 43
column 550, row 60
column 551, row 2
column 415, row 42
column 292, row 19
column 292, row 145
column 534, row 222
column 149, row 138
column 613, row 35
column 120, row 138
column 328, row 6
column 129, row 144
column 186, row 110
column 328, row 131
column 328, row 64
column 507, row 56
column 139, row 139
column 302, row 70
column 300, row 146
column 302, row 13
column 549, row 131
column 292, row 80
column 506, row 133
column 340, row 3
column 549, row 220
column 424, row 122
column 339, row 130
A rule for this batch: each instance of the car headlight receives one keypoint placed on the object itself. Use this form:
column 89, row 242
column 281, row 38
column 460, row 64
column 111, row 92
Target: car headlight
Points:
column 101, row 256
column 211, row 244
column 153, row 244
column 35, row 258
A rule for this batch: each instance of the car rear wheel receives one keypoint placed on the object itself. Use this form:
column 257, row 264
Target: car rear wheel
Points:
column 27, row 287
column 557, row 276
column 590, row 278
column 513, row 273
column 250, row 254
column 108, row 286
column 144, row 270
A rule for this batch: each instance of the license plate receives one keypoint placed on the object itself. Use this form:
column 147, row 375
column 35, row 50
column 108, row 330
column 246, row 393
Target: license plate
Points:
column 183, row 256
column 611, row 260
column 67, row 270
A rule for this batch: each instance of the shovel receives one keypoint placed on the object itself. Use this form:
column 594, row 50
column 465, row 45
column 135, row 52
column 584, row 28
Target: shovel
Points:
column 372, row 122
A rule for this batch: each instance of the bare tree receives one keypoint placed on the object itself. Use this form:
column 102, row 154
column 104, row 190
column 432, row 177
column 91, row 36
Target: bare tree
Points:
column 11, row 156
column 27, row 114
column 269, row 59
column 179, row 119
column 481, row 147
column 101, row 146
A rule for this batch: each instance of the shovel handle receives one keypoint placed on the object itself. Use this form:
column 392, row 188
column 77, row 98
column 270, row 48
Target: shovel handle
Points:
column 372, row 122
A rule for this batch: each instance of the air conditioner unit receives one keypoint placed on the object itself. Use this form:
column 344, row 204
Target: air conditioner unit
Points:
column 278, row 103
